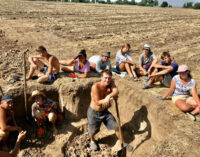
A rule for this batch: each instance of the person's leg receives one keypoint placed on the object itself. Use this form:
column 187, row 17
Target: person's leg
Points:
column 52, row 119
column 39, row 65
column 192, row 102
column 133, row 68
column 183, row 106
column 68, row 69
column 3, row 136
column 43, row 79
column 140, row 72
column 154, row 79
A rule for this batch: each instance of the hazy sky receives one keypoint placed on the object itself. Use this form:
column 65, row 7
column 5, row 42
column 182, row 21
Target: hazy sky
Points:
column 175, row 3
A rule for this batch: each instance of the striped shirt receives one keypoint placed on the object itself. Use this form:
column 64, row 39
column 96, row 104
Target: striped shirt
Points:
column 182, row 89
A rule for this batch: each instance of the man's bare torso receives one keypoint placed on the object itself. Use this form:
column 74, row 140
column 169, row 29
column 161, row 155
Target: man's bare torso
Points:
column 102, row 93
column 55, row 62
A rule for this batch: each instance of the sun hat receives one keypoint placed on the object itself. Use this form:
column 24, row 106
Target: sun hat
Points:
column 35, row 93
column 146, row 47
column 106, row 54
column 182, row 68
column 7, row 98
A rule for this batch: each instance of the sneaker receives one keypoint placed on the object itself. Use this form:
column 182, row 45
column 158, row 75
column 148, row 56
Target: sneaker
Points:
column 93, row 145
column 191, row 116
column 129, row 148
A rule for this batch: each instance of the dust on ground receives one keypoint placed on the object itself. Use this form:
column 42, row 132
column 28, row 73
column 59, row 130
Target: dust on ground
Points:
column 65, row 28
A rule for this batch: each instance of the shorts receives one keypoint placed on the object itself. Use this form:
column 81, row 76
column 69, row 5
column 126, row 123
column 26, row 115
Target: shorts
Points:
column 95, row 118
column 185, row 98
column 51, row 115
column 146, row 66
column 52, row 77
column 167, row 78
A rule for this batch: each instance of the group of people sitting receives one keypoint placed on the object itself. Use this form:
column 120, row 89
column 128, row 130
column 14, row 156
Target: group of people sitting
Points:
column 182, row 87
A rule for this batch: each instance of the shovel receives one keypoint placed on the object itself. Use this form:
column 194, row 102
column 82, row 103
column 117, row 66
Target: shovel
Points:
column 122, row 152
column 25, row 85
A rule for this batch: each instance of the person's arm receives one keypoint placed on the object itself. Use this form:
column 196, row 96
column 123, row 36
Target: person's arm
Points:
column 121, row 57
column 15, row 151
column 31, row 60
column 4, row 127
column 155, row 60
column 50, row 69
column 163, row 72
column 68, row 63
column 84, row 75
column 114, row 89
column 170, row 90
column 195, row 95
column 98, row 66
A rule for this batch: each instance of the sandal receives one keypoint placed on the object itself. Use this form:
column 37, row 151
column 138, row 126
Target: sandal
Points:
column 191, row 116
column 135, row 78
column 146, row 87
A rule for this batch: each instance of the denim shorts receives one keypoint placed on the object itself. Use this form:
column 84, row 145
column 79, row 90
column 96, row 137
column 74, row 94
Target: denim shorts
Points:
column 95, row 118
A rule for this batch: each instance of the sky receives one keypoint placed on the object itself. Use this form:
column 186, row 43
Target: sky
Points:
column 175, row 3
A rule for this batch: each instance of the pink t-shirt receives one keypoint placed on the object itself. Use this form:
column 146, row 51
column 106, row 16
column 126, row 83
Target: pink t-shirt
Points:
column 86, row 67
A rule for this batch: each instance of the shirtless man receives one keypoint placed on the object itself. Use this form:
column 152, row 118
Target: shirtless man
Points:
column 50, row 72
column 6, row 116
column 101, row 93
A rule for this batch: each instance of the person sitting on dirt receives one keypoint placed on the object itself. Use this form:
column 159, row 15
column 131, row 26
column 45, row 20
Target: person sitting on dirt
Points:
column 51, row 73
column 99, row 63
column 181, row 86
column 124, row 62
column 146, row 61
column 101, row 93
column 44, row 109
column 16, row 149
column 163, row 71
column 6, row 119
column 80, row 63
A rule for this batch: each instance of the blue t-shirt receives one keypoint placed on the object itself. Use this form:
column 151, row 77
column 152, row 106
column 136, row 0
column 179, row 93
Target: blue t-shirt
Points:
column 174, row 66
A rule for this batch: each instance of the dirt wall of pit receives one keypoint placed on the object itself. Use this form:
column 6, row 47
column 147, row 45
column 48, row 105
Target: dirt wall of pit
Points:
column 153, row 127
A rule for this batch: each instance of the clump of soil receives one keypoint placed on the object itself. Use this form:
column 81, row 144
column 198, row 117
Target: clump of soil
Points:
column 80, row 146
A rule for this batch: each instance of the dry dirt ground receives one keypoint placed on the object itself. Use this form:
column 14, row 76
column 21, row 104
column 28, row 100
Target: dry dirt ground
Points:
column 152, row 127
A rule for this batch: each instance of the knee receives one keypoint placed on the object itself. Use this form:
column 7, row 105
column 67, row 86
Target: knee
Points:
column 3, row 135
column 52, row 117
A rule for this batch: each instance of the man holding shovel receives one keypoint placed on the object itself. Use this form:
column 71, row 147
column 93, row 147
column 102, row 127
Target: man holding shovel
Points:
column 101, row 94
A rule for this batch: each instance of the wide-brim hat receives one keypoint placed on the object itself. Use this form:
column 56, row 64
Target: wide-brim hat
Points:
column 36, row 93
column 106, row 54
column 182, row 68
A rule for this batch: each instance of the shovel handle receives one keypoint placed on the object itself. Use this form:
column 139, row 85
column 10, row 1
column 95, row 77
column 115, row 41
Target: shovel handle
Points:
column 118, row 119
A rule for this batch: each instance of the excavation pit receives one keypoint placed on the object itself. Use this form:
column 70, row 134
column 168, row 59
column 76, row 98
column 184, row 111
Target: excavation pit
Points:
column 144, row 122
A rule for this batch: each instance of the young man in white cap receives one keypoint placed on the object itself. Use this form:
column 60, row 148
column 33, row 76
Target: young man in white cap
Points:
column 7, row 116
column 146, row 61
column 99, row 63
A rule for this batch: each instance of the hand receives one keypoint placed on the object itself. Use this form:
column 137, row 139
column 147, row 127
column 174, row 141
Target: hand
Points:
column 18, row 128
column 21, row 136
column 161, row 98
